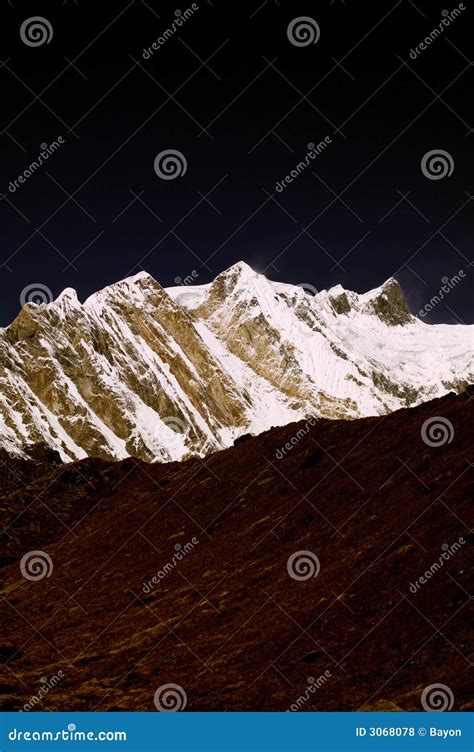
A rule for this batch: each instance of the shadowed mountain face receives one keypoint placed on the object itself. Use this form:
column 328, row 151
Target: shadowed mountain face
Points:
column 17, row 471
column 320, row 565
column 162, row 375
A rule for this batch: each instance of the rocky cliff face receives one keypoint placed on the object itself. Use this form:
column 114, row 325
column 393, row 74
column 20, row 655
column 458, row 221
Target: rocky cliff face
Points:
column 164, row 374
column 112, row 377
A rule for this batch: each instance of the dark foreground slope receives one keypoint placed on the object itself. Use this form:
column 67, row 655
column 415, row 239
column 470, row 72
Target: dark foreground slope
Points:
column 371, row 499
column 15, row 472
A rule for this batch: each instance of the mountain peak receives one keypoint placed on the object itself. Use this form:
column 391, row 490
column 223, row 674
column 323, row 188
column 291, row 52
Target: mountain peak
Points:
column 125, row 290
column 139, row 278
column 241, row 268
column 389, row 304
column 390, row 282
column 239, row 272
column 238, row 277
column 67, row 298
column 133, row 372
column 24, row 326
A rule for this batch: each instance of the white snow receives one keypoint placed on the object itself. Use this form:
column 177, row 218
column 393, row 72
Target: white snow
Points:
column 329, row 355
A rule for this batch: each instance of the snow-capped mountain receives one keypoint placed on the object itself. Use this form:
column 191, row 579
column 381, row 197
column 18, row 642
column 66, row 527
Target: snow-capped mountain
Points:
column 164, row 373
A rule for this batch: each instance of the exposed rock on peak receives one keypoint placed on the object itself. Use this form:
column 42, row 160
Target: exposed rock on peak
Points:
column 240, row 270
column 165, row 373
column 238, row 277
column 390, row 304
column 340, row 303
column 387, row 302
column 130, row 290
column 24, row 326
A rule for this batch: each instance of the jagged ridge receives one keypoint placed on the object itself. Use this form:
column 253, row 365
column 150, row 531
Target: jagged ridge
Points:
column 165, row 374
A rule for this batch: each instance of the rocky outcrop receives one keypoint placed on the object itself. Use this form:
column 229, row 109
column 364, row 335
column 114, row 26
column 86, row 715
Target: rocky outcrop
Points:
column 390, row 305
column 166, row 374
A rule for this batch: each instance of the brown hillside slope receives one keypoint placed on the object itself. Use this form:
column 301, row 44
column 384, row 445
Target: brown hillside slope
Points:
column 376, row 504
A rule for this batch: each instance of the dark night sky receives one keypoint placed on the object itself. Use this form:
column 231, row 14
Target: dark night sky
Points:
column 241, row 102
